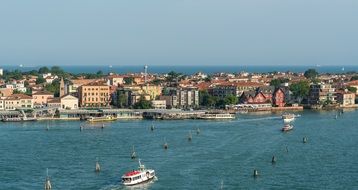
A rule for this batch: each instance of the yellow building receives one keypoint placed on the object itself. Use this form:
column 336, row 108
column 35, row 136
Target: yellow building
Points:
column 18, row 101
column 95, row 94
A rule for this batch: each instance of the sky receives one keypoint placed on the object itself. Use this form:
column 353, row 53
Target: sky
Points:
column 179, row 32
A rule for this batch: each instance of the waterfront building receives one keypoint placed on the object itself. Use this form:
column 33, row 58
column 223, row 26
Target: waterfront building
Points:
column 278, row 98
column 69, row 102
column 188, row 97
column 95, row 94
column 181, row 97
column 1, row 72
column 159, row 104
column 18, row 101
column 346, row 98
column 170, row 101
column 254, row 97
column 54, row 103
column 224, row 89
column 264, row 95
column 72, row 88
column 321, row 93
column 41, row 98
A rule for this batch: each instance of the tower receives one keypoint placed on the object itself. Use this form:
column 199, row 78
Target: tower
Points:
column 145, row 78
column 62, row 88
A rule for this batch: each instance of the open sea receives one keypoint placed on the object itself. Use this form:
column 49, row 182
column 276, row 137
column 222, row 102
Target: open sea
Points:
column 223, row 156
column 195, row 68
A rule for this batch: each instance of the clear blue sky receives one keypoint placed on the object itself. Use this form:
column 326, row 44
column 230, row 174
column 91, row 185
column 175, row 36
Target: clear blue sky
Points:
column 179, row 32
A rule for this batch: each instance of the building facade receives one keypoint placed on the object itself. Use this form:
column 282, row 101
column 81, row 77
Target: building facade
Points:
column 159, row 104
column 94, row 94
column 69, row 102
column 321, row 94
column 41, row 98
column 346, row 98
column 18, row 101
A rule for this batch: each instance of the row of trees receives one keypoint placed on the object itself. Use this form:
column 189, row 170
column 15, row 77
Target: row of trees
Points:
column 208, row 100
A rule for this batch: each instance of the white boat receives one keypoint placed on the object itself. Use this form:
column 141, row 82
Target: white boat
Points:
column 287, row 118
column 287, row 127
column 142, row 175
column 217, row 116
column 102, row 119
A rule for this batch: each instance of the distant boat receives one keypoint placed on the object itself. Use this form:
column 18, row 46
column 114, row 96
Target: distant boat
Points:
column 218, row 116
column 288, row 118
column 101, row 119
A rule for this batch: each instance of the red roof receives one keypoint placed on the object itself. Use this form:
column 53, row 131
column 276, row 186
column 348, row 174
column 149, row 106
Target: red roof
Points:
column 132, row 173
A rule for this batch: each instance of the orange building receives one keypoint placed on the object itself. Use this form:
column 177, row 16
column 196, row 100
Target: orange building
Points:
column 42, row 97
column 95, row 94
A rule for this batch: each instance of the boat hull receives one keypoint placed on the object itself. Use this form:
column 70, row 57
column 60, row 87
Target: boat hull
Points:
column 285, row 129
column 141, row 182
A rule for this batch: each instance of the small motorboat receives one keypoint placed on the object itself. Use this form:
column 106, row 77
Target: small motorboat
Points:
column 139, row 176
column 287, row 127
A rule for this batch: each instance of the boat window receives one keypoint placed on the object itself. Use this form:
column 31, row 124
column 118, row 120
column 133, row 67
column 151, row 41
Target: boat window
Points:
column 126, row 180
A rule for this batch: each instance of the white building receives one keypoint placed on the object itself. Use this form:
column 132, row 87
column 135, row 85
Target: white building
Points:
column 17, row 101
column 69, row 102
column 1, row 72
column 159, row 104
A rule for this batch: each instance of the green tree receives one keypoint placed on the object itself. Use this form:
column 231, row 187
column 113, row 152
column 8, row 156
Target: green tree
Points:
column 352, row 89
column 230, row 99
column 277, row 82
column 54, row 87
column 311, row 74
column 156, row 81
column 56, row 70
column 300, row 90
column 173, row 76
column 121, row 100
column 128, row 80
column 99, row 73
column 40, row 80
column 208, row 79
column 44, row 70
column 206, row 99
column 143, row 104
column 355, row 77
column 17, row 92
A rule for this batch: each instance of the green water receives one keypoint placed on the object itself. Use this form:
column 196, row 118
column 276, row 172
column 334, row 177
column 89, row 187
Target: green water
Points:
column 225, row 153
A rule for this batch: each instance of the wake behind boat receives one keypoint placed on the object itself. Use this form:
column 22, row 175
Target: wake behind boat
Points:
column 135, row 177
